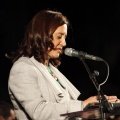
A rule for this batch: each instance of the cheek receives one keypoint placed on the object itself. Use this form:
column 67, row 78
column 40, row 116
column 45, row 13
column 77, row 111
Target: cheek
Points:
column 56, row 44
column 50, row 53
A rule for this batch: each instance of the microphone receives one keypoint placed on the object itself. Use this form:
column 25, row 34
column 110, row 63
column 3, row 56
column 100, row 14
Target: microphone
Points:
column 74, row 53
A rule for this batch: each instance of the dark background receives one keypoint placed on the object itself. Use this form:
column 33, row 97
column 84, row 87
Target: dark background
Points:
column 95, row 29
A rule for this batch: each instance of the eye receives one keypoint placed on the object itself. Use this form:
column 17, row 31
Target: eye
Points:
column 59, row 36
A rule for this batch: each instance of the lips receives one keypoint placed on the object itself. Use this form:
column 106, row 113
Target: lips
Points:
column 59, row 50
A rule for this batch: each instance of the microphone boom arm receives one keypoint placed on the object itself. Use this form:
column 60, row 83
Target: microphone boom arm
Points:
column 104, row 104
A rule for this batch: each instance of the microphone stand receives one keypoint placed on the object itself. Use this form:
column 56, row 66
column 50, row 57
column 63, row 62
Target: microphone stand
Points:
column 103, row 102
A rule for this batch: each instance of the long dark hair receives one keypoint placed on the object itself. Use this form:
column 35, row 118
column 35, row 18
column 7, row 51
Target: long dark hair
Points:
column 38, row 36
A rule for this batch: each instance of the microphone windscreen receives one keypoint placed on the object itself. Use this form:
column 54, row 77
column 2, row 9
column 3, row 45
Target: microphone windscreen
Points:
column 68, row 51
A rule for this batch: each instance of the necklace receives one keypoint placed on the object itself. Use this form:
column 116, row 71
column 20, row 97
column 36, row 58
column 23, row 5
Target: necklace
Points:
column 50, row 71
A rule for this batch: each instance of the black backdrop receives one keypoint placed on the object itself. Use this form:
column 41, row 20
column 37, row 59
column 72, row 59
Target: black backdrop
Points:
column 95, row 29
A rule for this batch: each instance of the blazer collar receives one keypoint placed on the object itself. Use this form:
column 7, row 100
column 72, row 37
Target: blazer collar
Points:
column 65, row 82
column 48, row 77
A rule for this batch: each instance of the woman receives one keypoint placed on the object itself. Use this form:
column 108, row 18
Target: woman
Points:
column 38, row 90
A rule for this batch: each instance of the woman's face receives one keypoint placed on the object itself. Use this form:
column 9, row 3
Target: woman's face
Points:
column 59, row 41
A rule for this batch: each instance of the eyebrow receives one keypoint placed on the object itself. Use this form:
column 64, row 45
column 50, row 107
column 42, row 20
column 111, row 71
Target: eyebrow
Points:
column 62, row 33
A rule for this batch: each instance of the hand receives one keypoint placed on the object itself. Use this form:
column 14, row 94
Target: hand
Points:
column 117, row 101
column 93, row 99
column 112, row 99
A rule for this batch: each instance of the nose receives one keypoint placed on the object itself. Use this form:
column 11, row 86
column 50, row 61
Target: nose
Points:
column 63, row 42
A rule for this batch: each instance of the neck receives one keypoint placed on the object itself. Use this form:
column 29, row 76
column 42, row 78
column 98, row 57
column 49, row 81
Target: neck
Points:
column 46, row 62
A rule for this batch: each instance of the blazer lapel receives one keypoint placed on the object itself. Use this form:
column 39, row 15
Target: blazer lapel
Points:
column 66, row 83
column 48, row 77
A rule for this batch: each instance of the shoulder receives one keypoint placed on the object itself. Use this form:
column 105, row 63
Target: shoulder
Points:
column 23, row 70
column 22, row 64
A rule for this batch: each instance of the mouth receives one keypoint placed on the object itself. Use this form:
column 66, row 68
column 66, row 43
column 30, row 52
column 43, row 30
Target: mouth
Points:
column 59, row 50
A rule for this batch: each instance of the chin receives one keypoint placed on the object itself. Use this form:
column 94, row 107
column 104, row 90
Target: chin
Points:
column 57, row 55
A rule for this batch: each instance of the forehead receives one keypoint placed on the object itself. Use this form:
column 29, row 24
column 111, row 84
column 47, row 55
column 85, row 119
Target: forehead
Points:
column 61, row 29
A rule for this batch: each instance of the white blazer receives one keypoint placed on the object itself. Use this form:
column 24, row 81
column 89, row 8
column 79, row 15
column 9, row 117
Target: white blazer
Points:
column 36, row 95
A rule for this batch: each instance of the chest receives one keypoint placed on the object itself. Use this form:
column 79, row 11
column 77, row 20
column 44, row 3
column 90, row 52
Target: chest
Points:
column 50, row 92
